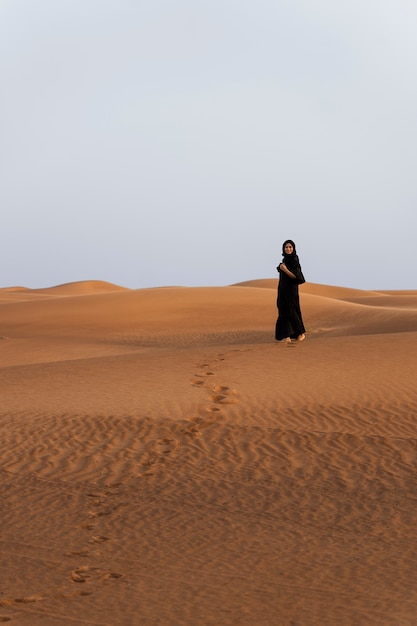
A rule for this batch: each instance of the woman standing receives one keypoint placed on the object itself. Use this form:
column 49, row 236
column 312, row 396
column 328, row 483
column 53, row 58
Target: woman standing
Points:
column 290, row 324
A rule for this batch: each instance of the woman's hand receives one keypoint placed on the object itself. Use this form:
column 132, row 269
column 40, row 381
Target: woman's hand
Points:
column 285, row 269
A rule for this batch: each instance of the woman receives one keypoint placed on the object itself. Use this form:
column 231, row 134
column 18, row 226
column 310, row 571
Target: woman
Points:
column 290, row 324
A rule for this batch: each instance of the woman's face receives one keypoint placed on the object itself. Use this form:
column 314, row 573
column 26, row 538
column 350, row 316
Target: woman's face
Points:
column 288, row 248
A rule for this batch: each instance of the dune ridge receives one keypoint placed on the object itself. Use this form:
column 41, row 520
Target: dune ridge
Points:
column 165, row 461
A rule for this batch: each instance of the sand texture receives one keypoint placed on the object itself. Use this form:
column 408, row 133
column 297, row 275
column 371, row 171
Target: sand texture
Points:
column 165, row 462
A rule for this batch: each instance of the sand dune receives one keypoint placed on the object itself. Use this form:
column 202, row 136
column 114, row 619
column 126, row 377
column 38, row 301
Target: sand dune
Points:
column 87, row 287
column 166, row 462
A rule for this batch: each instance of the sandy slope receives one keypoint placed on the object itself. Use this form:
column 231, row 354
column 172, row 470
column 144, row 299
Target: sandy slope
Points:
column 166, row 462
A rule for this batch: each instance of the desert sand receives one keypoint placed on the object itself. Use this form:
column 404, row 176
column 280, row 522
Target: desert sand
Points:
column 164, row 461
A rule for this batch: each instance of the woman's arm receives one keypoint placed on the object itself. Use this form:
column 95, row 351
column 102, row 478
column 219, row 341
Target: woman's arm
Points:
column 285, row 269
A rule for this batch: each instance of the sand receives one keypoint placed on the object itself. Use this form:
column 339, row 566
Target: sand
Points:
column 165, row 462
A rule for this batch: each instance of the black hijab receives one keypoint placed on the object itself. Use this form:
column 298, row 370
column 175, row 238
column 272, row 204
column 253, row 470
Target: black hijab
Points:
column 292, row 261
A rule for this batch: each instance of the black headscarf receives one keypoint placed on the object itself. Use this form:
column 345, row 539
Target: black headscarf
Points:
column 292, row 261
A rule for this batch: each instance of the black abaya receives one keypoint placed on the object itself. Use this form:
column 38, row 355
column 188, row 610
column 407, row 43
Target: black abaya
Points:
column 290, row 321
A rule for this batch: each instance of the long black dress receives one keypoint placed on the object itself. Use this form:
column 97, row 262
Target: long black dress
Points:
column 290, row 321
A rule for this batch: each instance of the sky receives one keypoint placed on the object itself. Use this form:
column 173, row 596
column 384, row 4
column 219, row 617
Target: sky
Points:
column 151, row 143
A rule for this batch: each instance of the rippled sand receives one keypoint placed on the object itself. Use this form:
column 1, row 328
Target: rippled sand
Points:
column 165, row 462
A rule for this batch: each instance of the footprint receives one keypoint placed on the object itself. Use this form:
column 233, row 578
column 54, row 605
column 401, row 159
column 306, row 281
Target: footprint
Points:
column 220, row 388
column 192, row 431
column 93, row 514
column 108, row 575
column 76, row 577
column 81, row 574
column 98, row 539
column 224, row 395
column 217, row 397
column 28, row 599
column 167, row 445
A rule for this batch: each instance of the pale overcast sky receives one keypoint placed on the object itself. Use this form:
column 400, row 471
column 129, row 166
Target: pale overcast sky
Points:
column 179, row 142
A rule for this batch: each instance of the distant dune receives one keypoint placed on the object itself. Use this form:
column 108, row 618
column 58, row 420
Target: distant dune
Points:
column 87, row 287
column 166, row 461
